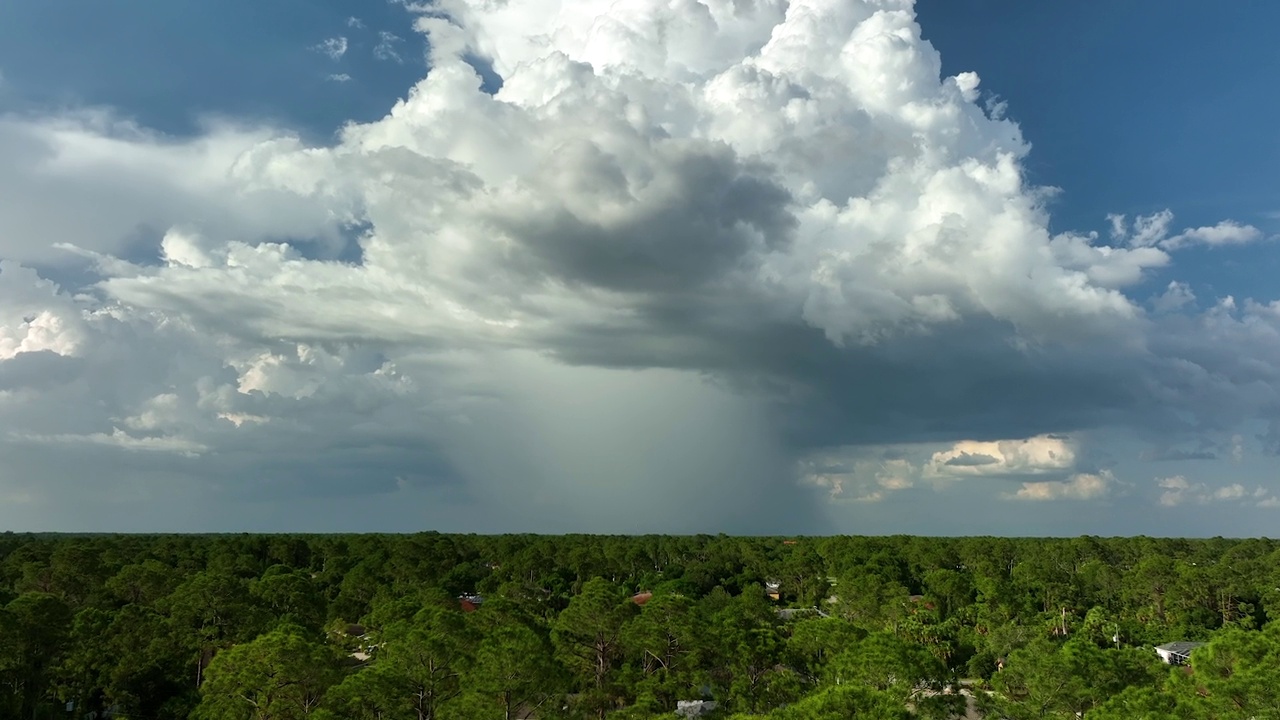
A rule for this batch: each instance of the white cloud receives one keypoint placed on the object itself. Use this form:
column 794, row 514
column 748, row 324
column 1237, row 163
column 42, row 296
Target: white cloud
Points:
column 1227, row 232
column 1177, row 296
column 35, row 316
column 1235, row 491
column 386, row 47
column 340, row 78
column 1030, row 456
column 1081, row 486
column 1177, row 490
column 334, row 47
column 857, row 479
column 120, row 439
column 1148, row 231
column 247, row 184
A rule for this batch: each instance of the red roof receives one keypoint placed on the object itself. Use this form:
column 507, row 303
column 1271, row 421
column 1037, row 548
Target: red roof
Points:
column 641, row 598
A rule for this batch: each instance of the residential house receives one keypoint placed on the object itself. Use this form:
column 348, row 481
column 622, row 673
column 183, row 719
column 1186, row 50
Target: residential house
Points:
column 695, row 708
column 773, row 589
column 1177, row 653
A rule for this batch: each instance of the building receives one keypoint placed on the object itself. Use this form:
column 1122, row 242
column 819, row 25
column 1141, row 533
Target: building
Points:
column 773, row 588
column 1176, row 653
column 789, row 614
column 695, row 708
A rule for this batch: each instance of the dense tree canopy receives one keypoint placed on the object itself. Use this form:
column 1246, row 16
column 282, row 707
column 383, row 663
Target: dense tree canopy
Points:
column 449, row 627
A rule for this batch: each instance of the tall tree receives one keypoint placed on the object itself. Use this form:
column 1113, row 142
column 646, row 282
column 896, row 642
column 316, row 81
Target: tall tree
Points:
column 212, row 610
column 665, row 647
column 281, row 675
column 588, row 637
column 35, row 636
column 513, row 673
column 425, row 657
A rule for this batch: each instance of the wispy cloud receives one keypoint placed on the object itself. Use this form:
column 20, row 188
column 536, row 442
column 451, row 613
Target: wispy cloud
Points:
column 334, row 47
column 386, row 47
column 119, row 439
column 1147, row 231
column 863, row 481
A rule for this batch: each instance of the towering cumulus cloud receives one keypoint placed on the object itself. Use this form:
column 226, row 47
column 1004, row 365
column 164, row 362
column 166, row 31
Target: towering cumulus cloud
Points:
column 690, row 260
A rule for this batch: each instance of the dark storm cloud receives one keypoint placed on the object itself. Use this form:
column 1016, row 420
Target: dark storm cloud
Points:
column 692, row 223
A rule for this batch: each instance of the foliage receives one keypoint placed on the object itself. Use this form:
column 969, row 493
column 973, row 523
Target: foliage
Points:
column 371, row 626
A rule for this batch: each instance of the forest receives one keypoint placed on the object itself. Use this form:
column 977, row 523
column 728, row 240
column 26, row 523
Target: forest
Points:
column 467, row 627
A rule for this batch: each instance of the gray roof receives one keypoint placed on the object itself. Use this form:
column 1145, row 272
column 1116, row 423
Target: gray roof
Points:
column 793, row 613
column 1179, row 648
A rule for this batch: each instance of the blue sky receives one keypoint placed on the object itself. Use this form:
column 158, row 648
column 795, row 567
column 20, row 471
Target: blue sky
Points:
column 670, row 268
column 170, row 65
column 1131, row 108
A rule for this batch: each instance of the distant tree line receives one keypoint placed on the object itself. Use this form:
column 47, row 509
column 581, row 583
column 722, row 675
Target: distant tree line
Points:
column 466, row 627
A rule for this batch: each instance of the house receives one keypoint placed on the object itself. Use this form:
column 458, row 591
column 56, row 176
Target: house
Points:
column 695, row 708
column 1176, row 653
column 919, row 600
column 789, row 614
column 773, row 588
column 355, row 638
column 641, row 598
column 469, row 603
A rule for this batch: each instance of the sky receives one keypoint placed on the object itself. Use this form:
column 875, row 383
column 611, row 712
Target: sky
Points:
column 743, row 266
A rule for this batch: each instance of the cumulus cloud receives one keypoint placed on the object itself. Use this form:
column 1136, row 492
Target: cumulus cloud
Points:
column 1030, row 456
column 36, row 316
column 1177, row 296
column 858, row 478
column 1081, row 486
column 129, row 185
column 1177, row 490
column 683, row 250
column 1227, row 232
